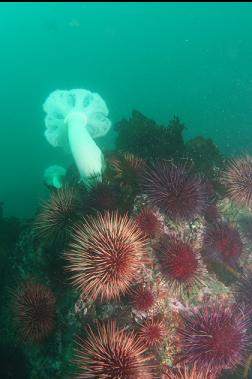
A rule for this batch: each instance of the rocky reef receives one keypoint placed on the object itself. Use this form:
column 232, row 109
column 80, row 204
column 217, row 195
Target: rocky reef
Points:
column 145, row 274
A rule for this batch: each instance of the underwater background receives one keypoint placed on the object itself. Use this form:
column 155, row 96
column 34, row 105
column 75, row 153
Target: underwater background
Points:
column 126, row 190
column 192, row 60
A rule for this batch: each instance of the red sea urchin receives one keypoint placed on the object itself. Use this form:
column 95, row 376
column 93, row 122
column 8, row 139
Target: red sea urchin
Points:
column 103, row 196
column 127, row 164
column 214, row 337
column 152, row 331
column 148, row 222
column 143, row 298
column 180, row 263
column 237, row 179
column 223, row 243
column 35, row 310
column 175, row 189
column 112, row 353
column 105, row 254
column 186, row 373
column 127, row 168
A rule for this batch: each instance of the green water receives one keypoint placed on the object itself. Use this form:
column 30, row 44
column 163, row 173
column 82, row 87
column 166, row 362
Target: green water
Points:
column 193, row 60
column 161, row 243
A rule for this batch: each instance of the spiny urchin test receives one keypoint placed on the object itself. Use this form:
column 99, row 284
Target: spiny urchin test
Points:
column 180, row 263
column 175, row 189
column 111, row 352
column 215, row 337
column 105, row 255
column 237, row 179
column 35, row 311
column 57, row 216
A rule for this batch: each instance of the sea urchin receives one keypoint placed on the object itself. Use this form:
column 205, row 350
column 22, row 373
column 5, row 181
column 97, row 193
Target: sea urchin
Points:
column 243, row 290
column 35, row 311
column 186, row 373
column 214, row 337
column 143, row 298
column 105, row 255
column 237, row 179
column 179, row 263
column 103, row 196
column 148, row 222
column 57, row 216
column 152, row 331
column 223, row 243
column 175, row 189
column 112, row 353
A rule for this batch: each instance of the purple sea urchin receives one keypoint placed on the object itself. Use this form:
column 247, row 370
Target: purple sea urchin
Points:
column 175, row 189
column 237, row 179
column 214, row 337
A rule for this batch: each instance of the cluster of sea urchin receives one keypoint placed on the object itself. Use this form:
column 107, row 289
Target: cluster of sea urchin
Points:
column 106, row 257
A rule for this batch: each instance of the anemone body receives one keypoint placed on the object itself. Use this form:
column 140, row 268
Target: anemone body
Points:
column 237, row 179
column 223, row 243
column 87, row 155
column 35, row 311
column 175, row 190
column 112, row 353
column 105, row 255
column 215, row 337
column 179, row 263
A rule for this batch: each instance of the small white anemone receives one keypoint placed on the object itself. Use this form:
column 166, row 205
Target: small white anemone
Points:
column 53, row 176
